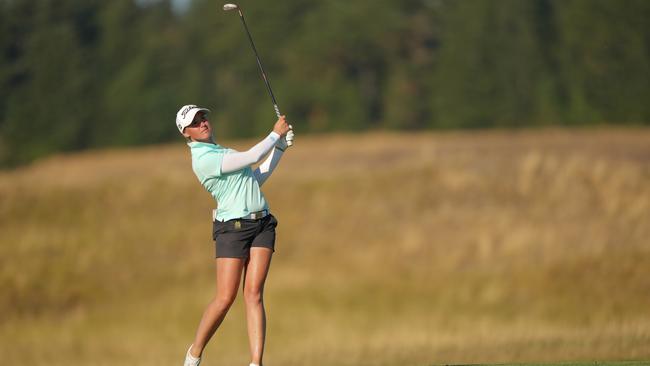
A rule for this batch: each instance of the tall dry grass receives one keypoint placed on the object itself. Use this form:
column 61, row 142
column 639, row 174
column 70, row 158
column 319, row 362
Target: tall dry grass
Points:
column 394, row 249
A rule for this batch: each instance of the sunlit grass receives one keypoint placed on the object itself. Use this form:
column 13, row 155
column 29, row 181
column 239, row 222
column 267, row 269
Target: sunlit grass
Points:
column 394, row 249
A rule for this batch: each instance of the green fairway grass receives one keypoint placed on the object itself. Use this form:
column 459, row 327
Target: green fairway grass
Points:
column 594, row 363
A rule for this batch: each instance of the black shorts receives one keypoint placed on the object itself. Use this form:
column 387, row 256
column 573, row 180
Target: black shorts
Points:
column 234, row 238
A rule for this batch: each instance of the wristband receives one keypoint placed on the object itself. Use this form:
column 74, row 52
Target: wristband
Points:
column 279, row 149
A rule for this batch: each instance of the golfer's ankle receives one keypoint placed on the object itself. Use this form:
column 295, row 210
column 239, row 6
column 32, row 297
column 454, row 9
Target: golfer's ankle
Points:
column 195, row 351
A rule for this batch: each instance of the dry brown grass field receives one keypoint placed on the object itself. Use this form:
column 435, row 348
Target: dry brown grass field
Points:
column 393, row 249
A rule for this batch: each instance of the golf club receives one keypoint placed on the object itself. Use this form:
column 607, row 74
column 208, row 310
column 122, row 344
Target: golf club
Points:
column 228, row 7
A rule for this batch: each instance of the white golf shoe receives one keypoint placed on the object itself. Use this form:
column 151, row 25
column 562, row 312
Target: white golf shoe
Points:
column 191, row 360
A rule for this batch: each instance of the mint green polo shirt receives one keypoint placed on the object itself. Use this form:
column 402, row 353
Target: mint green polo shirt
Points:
column 237, row 194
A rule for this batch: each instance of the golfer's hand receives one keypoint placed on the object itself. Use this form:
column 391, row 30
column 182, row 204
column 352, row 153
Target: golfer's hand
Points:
column 286, row 141
column 281, row 126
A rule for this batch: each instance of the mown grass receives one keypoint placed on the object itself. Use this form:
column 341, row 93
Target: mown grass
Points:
column 594, row 363
column 394, row 249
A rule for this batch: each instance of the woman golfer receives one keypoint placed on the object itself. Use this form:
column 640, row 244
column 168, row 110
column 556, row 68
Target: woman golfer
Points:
column 243, row 227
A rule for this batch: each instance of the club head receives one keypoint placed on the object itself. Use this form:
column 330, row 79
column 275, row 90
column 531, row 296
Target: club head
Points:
column 228, row 7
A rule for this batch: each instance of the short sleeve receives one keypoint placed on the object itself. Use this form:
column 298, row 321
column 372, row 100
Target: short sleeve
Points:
column 208, row 164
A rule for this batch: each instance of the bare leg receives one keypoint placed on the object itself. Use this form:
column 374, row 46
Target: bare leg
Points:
column 257, row 268
column 228, row 275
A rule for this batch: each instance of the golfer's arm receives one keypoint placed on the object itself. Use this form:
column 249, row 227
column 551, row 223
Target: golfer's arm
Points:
column 264, row 171
column 239, row 160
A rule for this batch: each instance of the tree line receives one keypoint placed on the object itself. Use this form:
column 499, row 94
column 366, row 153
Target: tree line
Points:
column 78, row 74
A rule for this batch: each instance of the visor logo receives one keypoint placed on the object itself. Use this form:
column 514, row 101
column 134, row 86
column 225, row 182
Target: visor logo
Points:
column 187, row 110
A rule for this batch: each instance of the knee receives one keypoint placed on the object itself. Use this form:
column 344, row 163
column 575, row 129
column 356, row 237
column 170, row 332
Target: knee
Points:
column 223, row 302
column 253, row 295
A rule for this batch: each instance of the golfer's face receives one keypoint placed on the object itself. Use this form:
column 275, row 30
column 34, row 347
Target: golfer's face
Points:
column 199, row 129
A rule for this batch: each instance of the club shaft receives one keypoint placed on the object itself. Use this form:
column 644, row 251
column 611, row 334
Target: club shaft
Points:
column 259, row 64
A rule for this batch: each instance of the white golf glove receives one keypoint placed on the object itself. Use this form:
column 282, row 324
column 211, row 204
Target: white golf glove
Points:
column 286, row 141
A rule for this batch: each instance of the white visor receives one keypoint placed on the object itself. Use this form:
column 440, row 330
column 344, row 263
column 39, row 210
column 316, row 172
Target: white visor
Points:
column 186, row 114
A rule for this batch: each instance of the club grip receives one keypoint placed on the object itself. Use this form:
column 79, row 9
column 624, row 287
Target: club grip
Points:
column 277, row 113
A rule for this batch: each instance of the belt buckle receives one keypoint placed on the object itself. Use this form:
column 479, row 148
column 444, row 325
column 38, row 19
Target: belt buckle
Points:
column 257, row 215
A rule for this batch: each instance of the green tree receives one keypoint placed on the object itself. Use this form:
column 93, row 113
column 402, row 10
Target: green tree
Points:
column 604, row 53
column 76, row 74
column 490, row 65
column 51, row 110
column 140, row 74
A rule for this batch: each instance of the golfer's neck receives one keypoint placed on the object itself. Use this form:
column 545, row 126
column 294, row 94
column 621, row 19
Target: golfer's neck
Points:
column 208, row 141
